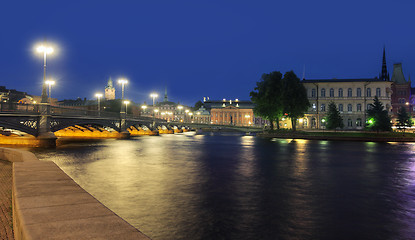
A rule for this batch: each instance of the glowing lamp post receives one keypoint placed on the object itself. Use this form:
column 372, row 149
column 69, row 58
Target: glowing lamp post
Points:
column 122, row 81
column 50, row 83
column 186, row 112
column 99, row 95
column 180, row 111
column 45, row 50
column 154, row 96
column 144, row 107
column 126, row 102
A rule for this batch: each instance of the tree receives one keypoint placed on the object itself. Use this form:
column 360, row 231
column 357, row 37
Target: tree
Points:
column 198, row 105
column 404, row 119
column 333, row 118
column 378, row 118
column 267, row 97
column 295, row 99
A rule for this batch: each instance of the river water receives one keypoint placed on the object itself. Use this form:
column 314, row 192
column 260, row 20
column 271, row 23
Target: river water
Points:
column 243, row 187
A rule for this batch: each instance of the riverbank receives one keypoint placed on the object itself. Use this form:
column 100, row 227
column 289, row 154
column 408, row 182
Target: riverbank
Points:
column 47, row 203
column 341, row 136
column 6, row 230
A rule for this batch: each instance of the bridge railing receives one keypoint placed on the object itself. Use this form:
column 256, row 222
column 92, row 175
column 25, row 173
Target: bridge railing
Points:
column 10, row 107
column 35, row 109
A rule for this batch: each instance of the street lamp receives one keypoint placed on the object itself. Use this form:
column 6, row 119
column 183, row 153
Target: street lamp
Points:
column 122, row 81
column 50, row 83
column 99, row 95
column 180, row 107
column 154, row 96
column 126, row 102
column 45, row 50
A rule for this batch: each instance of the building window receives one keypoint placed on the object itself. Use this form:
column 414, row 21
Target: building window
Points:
column 340, row 92
column 358, row 122
column 369, row 106
column 323, row 92
column 349, row 92
column 378, row 92
column 358, row 92
column 305, row 122
column 341, row 107
column 359, row 107
column 349, row 107
column 368, row 92
column 331, row 92
column 323, row 107
column 349, row 122
column 313, row 93
column 401, row 100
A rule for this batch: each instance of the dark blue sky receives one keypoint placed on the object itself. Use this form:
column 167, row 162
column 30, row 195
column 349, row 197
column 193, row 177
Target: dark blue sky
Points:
column 199, row 48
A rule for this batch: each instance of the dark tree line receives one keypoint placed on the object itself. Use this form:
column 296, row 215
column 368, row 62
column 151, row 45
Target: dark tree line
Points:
column 276, row 96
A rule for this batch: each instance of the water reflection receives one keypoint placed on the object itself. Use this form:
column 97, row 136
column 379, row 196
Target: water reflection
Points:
column 243, row 187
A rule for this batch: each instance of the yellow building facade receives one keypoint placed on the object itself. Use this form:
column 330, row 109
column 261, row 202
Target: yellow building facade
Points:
column 351, row 96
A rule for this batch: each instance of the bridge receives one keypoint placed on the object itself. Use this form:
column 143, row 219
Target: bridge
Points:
column 46, row 122
column 43, row 120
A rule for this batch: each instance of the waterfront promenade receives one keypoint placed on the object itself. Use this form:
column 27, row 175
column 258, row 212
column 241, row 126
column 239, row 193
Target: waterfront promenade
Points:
column 6, row 231
column 48, row 204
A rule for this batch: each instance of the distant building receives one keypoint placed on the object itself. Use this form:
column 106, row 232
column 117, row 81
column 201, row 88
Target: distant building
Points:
column 401, row 91
column 351, row 96
column 231, row 112
column 202, row 115
column 109, row 90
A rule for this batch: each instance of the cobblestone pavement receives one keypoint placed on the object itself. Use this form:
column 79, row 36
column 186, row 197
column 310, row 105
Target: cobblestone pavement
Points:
column 6, row 231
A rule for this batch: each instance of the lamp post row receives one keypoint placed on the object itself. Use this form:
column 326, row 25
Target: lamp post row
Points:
column 46, row 97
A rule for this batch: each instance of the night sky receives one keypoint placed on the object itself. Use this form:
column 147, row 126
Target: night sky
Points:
column 199, row 48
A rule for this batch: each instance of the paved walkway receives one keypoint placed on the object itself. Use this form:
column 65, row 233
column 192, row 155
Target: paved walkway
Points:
column 6, row 231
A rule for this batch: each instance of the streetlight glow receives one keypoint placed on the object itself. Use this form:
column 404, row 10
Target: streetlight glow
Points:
column 45, row 50
column 98, row 96
column 50, row 83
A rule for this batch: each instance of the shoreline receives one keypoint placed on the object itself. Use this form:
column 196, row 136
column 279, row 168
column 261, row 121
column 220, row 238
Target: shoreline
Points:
column 337, row 137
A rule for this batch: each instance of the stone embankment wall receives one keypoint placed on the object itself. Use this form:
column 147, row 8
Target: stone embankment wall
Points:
column 48, row 204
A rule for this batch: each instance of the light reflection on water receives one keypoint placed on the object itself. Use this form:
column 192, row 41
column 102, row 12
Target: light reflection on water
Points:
column 243, row 187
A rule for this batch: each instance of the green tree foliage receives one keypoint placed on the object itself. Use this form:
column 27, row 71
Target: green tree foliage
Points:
column 378, row 118
column 295, row 99
column 404, row 119
column 267, row 97
column 198, row 105
column 333, row 118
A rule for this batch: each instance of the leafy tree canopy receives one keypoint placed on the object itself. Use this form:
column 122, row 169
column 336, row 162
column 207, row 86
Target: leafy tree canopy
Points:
column 267, row 97
column 295, row 99
column 198, row 105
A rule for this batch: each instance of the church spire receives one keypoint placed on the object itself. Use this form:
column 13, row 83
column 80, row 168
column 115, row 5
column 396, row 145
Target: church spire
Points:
column 165, row 94
column 384, row 76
